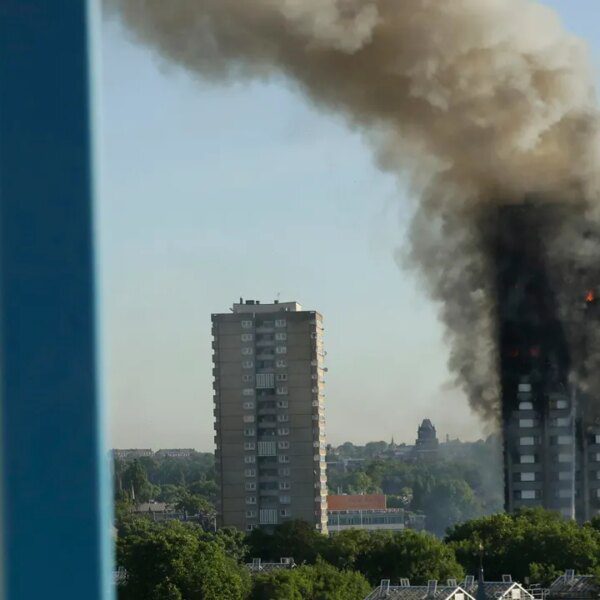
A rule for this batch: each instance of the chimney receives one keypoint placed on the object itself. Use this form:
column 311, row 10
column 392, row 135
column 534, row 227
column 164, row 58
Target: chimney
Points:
column 431, row 588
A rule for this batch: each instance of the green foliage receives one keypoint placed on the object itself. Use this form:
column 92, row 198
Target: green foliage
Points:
column 175, row 558
column 532, row 543
column 297, row 539
column 316, row 582
column 387, row 555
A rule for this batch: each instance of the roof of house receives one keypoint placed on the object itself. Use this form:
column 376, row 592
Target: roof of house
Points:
column 574, row 585
column 356, row 502
column 494, row 590
column 417, row 592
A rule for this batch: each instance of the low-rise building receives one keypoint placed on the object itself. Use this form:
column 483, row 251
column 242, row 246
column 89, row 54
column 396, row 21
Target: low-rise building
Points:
column 507, row 589
column 174, row 453
column 573, row 587
column 258, row 566
column 370, row 512
column 431, row 591
column 132, row 453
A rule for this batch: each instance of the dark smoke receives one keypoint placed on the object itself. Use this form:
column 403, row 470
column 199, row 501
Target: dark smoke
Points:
column 481, row 102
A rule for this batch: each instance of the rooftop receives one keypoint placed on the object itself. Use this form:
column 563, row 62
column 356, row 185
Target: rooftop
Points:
column 255, row 306
column 356, row 502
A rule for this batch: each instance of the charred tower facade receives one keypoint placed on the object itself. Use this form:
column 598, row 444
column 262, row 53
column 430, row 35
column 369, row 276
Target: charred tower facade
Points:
column 551, row 444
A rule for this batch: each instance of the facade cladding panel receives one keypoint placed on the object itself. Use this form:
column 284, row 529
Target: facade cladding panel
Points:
column 268, row 378
column 545, row 431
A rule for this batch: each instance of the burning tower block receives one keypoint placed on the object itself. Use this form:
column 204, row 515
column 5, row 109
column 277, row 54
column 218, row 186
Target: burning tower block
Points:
column 546, row 306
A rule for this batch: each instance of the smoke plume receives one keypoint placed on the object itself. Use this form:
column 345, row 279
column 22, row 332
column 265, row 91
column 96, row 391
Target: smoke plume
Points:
column 481, row 103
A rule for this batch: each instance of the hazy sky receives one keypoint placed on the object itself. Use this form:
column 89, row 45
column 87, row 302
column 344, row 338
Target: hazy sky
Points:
column 212, row 193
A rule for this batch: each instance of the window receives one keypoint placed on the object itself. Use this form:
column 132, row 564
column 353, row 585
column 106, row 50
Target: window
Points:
column 564, row 440
column 250, row 514
column 526, row 423
column 282, row 403
column 561, row 404
column 283, row 418
column 283, row 431
column 527, row 476
column 284, row 485
column 250, row 486
column 565, row 475
column 280, row 350
column 249, row 405
column 287, row 499
column 247, row 351
column 597, row 439
column 283, row 445
column 248, row 418
column 564, row 493
column 564, row 458
column 280, row 323
column 527, row 459
column 524, row 387
column 281, row 363
column 248, row 392
column 280, row 337
column 284, row 472
column 249, row 527
column 249, row 431
column 250, row 459
column 246, row 324
column 281, row 377
column 562, row 422
column 284, row 458
column 249, row 472
column 284, row 512
column 246, row 337
column 249, row 446
column 247, row 378
column 525, row 405
column 247, row 364
column 282, row 390
column 250, row 499
column 527, row 441
column 528, row 494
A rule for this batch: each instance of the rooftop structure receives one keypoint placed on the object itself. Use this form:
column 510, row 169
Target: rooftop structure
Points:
column 258, row 566
column 431, row 591
column 574, row 587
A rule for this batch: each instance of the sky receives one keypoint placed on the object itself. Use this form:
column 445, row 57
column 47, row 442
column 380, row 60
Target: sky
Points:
column 211, row 193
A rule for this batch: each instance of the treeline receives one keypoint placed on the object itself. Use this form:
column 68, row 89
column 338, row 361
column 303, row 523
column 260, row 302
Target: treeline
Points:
column 463, row 482
column 184, row 482
column 180, row 561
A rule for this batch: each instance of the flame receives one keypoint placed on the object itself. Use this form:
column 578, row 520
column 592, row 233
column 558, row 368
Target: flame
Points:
column 590, row 296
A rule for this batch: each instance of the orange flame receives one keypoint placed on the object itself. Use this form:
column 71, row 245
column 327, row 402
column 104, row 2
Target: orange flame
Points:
column 590, row 296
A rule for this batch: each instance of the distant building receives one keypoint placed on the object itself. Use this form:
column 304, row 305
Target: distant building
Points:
column 258, row 566
column 132, row 453
column 426, row 444
column 270, row 458
column 574, row 587
column 174, row 453
column 369, row 512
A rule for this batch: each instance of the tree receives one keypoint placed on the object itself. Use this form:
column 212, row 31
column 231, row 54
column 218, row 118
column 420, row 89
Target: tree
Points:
column 194, row 505
column 177, row 558
column 532, row 543
column 321, row 581
column 135, row 482
column 387, row 555
column 297, row 539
